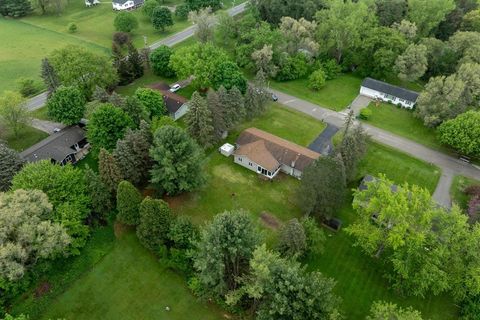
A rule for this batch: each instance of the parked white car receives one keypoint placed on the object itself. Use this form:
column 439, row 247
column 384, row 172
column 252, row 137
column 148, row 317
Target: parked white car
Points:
column 175, row 87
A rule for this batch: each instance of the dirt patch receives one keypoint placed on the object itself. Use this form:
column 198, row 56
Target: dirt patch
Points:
column 42, row 289
column 177, row 201
column 270, row 220
column 120, row 228
column 149, row 192
column 159, row 86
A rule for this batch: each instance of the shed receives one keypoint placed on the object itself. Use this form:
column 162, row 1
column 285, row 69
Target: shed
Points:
column 227, row 149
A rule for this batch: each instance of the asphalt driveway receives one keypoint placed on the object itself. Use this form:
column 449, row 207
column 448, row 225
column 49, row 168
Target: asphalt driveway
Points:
column 323, row 143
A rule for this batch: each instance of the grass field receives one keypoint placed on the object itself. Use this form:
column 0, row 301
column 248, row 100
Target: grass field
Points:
column 41, row 113
column 403, row 122
column 27, row 137
column 457, row 190
column 336, row 95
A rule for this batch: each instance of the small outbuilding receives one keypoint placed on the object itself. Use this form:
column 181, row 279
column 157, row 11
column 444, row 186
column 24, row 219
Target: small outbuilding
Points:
column 227, row 149
column 380, row 90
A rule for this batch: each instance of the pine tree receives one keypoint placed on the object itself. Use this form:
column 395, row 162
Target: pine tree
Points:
column 109, row 171
column 128, row 203
column 154, row 223
column 235, row 108
column 199, row 121
column 124, row 68
column 98, row 192
column 10, row 164
column 135, row 60
column 218, row 113
column 251, row 108
column 49, row 76
column 15, row 8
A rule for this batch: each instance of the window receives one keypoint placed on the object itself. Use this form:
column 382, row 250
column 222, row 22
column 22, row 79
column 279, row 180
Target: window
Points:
column 250, row 164
column 240, row 159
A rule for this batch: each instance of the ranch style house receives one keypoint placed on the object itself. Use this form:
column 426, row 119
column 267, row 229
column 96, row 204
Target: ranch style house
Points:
column 377, row 89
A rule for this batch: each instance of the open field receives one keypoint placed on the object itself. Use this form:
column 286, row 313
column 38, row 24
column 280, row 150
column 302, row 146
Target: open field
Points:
column 27, row 137
column 456, row 190
column 403, row 122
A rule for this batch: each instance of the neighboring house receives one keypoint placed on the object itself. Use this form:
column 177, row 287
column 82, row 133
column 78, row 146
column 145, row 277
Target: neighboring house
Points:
column 90, row 3
column 67, row 145
column 367, row 179
column 177, row 105
column 126, row 4
column 267, row 154
column 384, row 91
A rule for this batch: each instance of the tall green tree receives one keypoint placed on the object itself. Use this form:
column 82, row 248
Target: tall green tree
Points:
column 226, row 246
column 160, row 59
column 273, row 10
column 381, row 310
column 135, row 60
column 198, row 4
column 154, row 223
column 125, row 22
column 293, row 241
column 205, row 24
column 10, row 164
column 462, row 133
column 49, row 76
column 15, row 8
column 128, row 203
column 199, row 121
column 66, row 105
column 161, row 18
column 109, row 171
column 412, row 64
column 152, row 100
column 134, row 108
column 428, row 14
column 13, row 111
column 234, row 107
column 177, row 161
column 100, row 196
column 228, row 75
column 390, row 11
column 218, row 112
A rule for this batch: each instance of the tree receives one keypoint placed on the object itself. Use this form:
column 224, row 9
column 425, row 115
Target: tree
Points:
column 56, row 6
column 390, row 11
column 442, row 59
column 49, row 76
column 154, row 224
column 273, row 10
column 199, row 121
column 13, row 110
column 198, row 4
column 28, row 232
column 412, row 64
column 76, row 66
column 106, row 126
column 228, row 75
column 263, row 59
column 427, row 14
column 462, row 133
column 317, row 79
column 178, row 161
column 98, row 192
column 315, row 237
column 383, row 310
column 148, row 7
column 299, row 35
column 293, row 241
column 181, row 11
column 10, row 164
column 125, row 22
column 128, row 203
column 205, row 22
column 160, row 59
column 200, row 61
column 158, row 122
column 322, row 188
column 218, row 112
column 161, row 18
column 471, row 21
column 283, row 289
column 135, row 61
column 407, row 28
column 134, row 108
column 124, row 68
column 109, row 171
column 15, row 8
column 469, row 73
column 227, row 244
column 66, row 105
column 234, row 107
column 132, row 155
column 152, row 100
column 66, row 189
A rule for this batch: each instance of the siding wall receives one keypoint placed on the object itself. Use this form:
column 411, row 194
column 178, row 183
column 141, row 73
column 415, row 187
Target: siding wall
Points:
column 380, row 95
column 180, row 112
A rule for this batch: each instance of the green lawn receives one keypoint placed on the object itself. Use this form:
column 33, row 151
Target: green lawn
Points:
column 27, row 137
column 403, row 122
column 41, row 113
column 457, row 190
column 336, row 95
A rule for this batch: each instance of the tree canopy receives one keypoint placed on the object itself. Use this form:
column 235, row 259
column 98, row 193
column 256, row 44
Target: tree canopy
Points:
column 66, row 105
column 462, row 133
column 10, row 164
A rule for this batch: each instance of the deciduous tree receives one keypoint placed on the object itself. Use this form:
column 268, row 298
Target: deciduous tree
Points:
column 390, row 11
column 161, row 18
column 462, row 133
column 412, row 64
column 66, row 105
column 160, row 59
column 13, row 111
column 205, row 23
column 10, row 164
column 128, row 203
column 152, row 100
column 125, row 22
column 427, row 14
column 381, row 310
column 228, row 75
column 273, row 10
column 15, row 8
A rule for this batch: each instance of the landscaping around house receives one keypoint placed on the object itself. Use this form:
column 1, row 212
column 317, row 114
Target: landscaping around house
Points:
column 460, row 183
column 27, row 137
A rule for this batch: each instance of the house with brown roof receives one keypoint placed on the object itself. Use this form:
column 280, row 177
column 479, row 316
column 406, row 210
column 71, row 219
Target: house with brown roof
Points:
column 268, row 154
column 177, row 106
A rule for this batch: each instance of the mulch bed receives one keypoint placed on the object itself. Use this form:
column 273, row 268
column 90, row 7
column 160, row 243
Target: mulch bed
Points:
column 270, row 220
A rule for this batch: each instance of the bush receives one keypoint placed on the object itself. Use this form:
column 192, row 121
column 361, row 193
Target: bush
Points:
column 331, row 69
column 125, row 22
column 181, row 11
column 292, row 68
column 28, row 87
column 160, row 59
column 72, row 27
column 399, row 105
column 365, row 113
column 317, row 80
column 121, row 38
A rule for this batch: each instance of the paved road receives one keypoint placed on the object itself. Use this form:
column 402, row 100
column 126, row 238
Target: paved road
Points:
column 442, row 192
column 37, row 102
column 190, row 31
column 46, row 126
column 450, row 166
column 323, row 143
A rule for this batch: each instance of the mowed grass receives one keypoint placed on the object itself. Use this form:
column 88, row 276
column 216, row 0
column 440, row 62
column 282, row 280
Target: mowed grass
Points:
column 24, row 46
column 27, row 137
column 129, row 283
column 41, row 113
column 460, row 183
column 337, row 94
column 403, row 122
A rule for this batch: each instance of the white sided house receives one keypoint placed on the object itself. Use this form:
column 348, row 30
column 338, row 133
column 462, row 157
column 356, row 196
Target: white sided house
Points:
column 121, row 5
column 177, row 105
column 389, row 93
column 267, row 154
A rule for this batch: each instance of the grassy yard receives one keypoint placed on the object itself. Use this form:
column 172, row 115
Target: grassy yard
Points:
column 336, row 95
column 27, row 137
column 402, row 122
column 457, row 190
column 41, row 113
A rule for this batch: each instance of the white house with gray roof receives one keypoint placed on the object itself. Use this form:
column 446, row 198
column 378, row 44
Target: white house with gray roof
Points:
column 120, row 5
column 377, row 89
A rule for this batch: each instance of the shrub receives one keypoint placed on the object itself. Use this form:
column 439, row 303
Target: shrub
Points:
column 121, row 38
column 365, row 113
column 331, row 68
column 399, row 105
column 125, row 22
column 317, row 80
column 181, row 11
column 72, row 27
column 28, row 87
column 292, row 68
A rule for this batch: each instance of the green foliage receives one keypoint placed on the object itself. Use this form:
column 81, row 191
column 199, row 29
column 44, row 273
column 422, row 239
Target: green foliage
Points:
column 72, row 27
column 315, row 237
column 148, row 7
column 331, row 68
column 66, row 189
column 160, row 59
column 125, row 22
column 462, row 133
column 10, row 164
column 109, row 171
column 158, row 122
column 227, row 244
column 128, row 203
column 152, row 100
column 28, row 87
column 383, row 310
column 273, row 11
column 293, row 67
column 13, row 110
column 353, row 147
column 215, row 103
column 49, row 76
column 161, row 18
column 66, row 105
column 293, row 241
column 228, row 75
column 100, row 196
column 72, row 63
column 471, row 21
column 181, row 11
column 199, row 121
column 317, row 80
column 15, row 8
column 183, row 233
column 390, row 11
column 106, row 126
column 178, row 161
column 283, row 289
column 154, row 223
column 134, row 108
column 412, row 64
column 322, row 188
column 29, row 232
column 427, row 14
column 198, row 4
column 365, row 113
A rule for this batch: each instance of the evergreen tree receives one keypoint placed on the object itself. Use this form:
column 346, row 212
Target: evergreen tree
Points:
column 125, row 72
column 10, row 164
column 134, row 108
column 108, row 169
column 49, row 76
column 98, row 192
column 199, row 120
column 293, row 241
column 128, row 203
column 15, row 8
column 154, row 224
column 218, row 112
column 251, row 108
column 235, row 108
column 135, row 60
